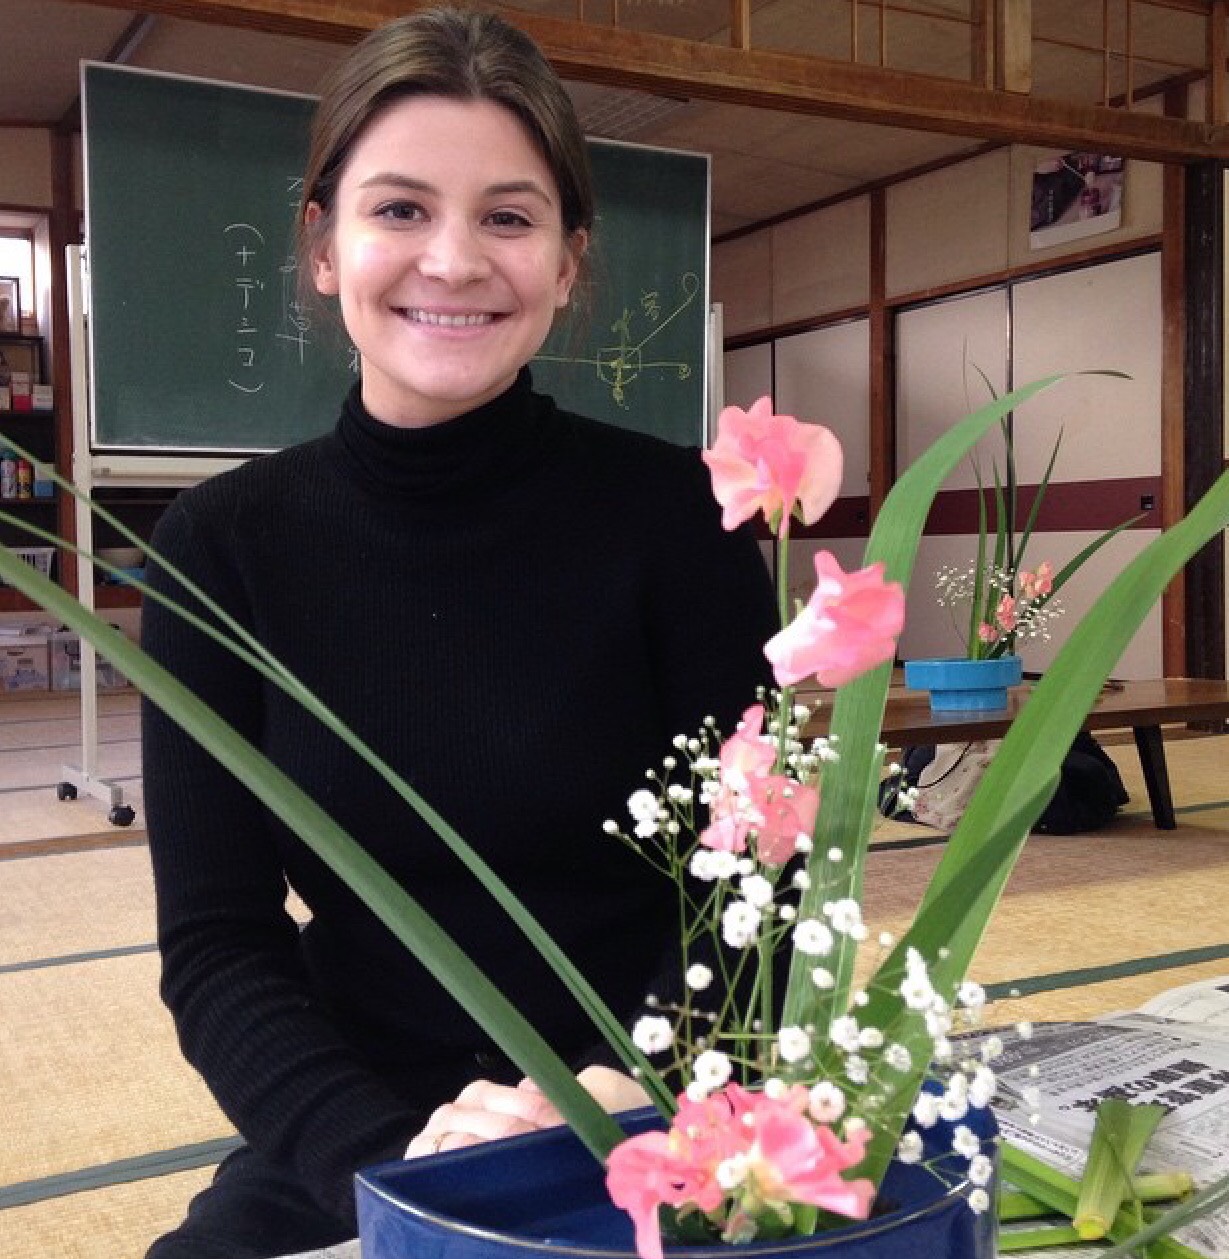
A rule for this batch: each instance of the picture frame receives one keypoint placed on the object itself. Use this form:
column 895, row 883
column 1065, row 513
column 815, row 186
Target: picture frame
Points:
column 22, row 354
column 10, row 304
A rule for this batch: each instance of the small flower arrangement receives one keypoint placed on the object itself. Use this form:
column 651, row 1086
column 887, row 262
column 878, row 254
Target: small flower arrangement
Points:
column 804, row 1064
column 996, row 603
column 1016, row 607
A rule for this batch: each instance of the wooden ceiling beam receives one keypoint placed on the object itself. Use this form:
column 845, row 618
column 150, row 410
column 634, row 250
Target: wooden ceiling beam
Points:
column 755, row 77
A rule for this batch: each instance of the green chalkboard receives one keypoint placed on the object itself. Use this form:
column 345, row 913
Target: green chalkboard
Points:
column 198, row 343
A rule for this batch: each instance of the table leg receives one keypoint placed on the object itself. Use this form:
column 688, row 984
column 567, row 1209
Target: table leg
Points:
column 1151, row 748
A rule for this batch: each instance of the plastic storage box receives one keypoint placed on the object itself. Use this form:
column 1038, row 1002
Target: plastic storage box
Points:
column 65, row 665
column 24, row 664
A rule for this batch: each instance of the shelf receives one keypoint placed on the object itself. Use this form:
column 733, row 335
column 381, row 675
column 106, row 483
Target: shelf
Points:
column 116, row 597
column 36, row 413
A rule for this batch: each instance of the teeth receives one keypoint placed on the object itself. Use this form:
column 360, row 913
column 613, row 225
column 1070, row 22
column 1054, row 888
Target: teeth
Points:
column 448, row 321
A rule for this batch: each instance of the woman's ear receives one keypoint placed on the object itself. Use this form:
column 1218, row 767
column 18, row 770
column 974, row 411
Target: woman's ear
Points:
column 574, row 249
column 324, row 269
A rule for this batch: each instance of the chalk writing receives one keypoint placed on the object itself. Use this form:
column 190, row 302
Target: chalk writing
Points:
column 620, row 365
column 246, row 243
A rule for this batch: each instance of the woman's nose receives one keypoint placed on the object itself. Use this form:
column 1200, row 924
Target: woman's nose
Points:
column 454, row 253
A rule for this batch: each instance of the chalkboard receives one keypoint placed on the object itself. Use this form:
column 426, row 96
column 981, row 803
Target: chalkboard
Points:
column 199, row 344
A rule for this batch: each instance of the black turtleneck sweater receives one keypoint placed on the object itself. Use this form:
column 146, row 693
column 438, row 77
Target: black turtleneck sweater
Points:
column 518, row 609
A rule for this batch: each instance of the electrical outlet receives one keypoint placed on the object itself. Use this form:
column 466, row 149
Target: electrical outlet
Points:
column 1147, row 502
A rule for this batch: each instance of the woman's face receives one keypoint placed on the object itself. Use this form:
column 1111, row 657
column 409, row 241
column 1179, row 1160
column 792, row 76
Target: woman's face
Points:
column 447, row 254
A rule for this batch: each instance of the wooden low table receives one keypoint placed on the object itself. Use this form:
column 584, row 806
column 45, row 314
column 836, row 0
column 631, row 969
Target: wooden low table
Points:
column 1143, row 707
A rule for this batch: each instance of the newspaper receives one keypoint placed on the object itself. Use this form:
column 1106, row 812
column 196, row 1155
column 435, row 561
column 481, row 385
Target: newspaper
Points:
column 1173, row 1050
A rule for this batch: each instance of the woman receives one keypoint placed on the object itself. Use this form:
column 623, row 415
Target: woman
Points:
column 517, row 607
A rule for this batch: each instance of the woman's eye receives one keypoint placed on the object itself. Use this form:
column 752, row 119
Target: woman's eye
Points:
column 401, row 211
column 509, row 219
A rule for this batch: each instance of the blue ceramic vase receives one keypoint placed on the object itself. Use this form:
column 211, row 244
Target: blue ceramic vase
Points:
column 965, row 686
column 543, row 1196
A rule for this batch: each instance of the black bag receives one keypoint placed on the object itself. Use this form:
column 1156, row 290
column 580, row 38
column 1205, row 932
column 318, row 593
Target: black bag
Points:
column 1088, row 795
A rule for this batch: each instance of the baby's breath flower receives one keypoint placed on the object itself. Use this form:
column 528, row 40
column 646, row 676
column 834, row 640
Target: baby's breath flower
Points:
column 857, row 1069
column 812, row 938
column 965, row 1142
column 698, row 977
column 981, row 1169
column 835, row 854
column 775, row 1088
column 652, row 1034
column 642, row 805
column 740, row 923
column 845, row 915
column 1024, row 1029
column 793, row 1044
column 711, row 1070
column 844, row 1033
column 823, row 979
column 870, row 1038
column 909, row 1148
column 826, row 1102
column 926, row 1110
column 972, row 996
column 756, row 890
column 801, row 880
column 979, row 1201
column 898, row 1057
column 732, row 1172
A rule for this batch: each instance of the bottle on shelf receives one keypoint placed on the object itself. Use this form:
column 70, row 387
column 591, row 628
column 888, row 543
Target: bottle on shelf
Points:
column 8, row 474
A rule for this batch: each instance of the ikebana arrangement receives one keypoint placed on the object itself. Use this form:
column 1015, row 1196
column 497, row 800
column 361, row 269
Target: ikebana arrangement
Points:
column 808, row 1053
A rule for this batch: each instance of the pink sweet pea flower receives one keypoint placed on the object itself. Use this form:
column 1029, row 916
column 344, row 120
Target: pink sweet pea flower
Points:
column 1005, row 614
column 784, row 810
column 772, row 463
column 787, row 1158
column 751, row 798
column 1039, row 584
column 849, row 626
column 987, row 633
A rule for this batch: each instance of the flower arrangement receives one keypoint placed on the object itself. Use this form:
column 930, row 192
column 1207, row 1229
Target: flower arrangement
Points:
column 1003, row 603
column 802, row 1075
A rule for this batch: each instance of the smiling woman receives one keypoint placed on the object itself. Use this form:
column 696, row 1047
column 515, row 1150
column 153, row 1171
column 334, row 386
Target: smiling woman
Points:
column 541, row 564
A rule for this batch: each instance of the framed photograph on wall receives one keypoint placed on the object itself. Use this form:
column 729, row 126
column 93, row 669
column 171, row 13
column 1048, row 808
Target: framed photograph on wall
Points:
column 1076, row 195
column 10, row 304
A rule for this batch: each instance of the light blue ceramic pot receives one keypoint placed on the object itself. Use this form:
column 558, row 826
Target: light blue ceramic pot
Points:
column 965, row 686
column 543, row 1196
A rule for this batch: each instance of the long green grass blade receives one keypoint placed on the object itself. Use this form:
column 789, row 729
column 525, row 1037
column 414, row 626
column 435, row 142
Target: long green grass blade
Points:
column 390, row 902
column 963, row 890
column 236, row 638
column 850, row 788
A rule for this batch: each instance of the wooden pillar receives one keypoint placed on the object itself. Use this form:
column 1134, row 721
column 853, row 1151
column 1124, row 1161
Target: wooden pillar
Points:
column 982, row 27
column 1014, row 46
column 64, row 230
column 882, row 362
column 1203, row 429
column 1216, row 104
column 740, row 24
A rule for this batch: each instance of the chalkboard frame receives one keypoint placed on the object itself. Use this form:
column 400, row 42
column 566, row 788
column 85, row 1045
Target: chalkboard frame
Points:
column 610, row 376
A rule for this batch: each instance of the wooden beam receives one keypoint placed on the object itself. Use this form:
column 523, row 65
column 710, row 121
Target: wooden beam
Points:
column 769, row 80
column 983, row 41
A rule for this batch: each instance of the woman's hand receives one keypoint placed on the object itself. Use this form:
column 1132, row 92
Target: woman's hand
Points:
column 484, row 1111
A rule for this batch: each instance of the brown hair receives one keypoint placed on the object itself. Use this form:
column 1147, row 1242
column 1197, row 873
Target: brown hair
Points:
column 464, row 54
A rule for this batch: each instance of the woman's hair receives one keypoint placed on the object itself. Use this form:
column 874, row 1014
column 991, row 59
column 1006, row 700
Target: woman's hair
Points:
column 462, row 54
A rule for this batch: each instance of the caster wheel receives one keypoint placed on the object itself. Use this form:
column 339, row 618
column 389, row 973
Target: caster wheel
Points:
column 122, row 815
column 65, row 791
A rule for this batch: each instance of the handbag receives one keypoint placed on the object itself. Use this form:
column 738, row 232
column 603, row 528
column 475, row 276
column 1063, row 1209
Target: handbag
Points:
column 945, row 786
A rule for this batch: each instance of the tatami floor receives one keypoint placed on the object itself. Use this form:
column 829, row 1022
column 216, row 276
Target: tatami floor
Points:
column 107, row 1132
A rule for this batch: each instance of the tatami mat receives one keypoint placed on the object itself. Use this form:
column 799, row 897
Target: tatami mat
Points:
column 118, row 1222
column 102, row 1114
column 101, row 1078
